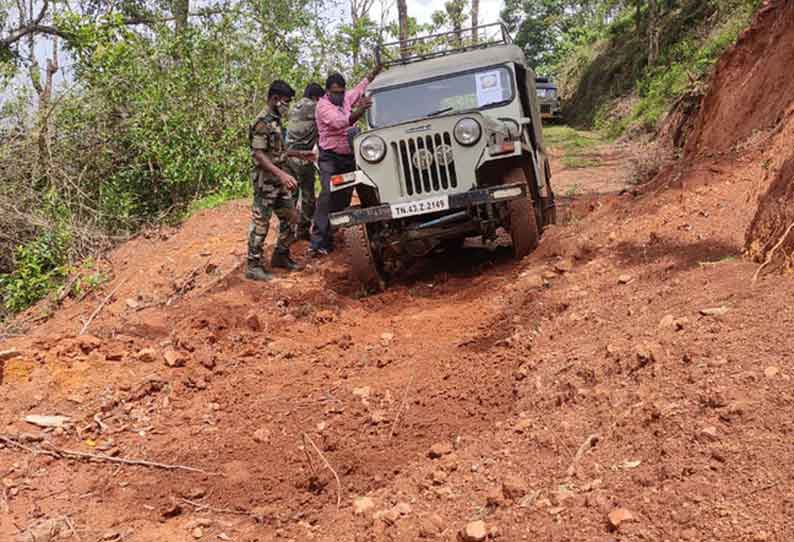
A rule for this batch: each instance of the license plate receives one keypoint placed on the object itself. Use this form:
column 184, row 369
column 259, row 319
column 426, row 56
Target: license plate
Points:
column 420, row 207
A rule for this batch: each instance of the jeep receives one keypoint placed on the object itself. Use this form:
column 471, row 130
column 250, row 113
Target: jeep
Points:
column 453, row 149
column 550, row 108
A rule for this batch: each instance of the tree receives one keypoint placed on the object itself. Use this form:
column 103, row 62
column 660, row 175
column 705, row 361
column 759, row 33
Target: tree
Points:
column 456, row 15
column 475, row 18
column 402, row 17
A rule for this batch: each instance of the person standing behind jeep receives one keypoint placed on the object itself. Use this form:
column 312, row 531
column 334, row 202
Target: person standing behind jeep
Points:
column 337, row 112
column 302, row 135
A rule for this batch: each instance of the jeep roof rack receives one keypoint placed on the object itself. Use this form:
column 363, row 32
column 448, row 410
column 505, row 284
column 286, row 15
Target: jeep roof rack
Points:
column 442, row 44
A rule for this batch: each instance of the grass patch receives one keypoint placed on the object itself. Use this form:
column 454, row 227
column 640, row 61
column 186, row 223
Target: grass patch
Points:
column 215, row 199
column 578, row 162
column 569, row 140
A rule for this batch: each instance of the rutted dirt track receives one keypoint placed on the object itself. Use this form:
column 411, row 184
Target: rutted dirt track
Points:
column 629, row 363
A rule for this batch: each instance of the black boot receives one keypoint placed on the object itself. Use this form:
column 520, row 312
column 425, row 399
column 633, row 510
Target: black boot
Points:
column 254, row 271
column 283, row 260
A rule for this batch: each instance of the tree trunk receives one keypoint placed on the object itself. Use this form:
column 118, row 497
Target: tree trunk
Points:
column 638, row 16
column 402, row 12
column 653, row 31
column 475, row 16
column 181, row 9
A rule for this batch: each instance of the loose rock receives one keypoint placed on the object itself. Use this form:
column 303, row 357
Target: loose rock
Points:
column 513, row 488
column 716, row 311
column 709, row 433
column 43, row 531
column 771, row 372
column 146, row 355
column 88, row 343
column 362, row 505
column 174, row 359
column 403, row 508
column 625, row 279
column 252, row 321
column 564, row 266
column 440, row 449
column 198, row 533
column 47, row 421
column 389, row 517
column 619, row 516
column 5, row 355
column 362, row 392
column 430, row 526
column 476, row 531
column 262, row 435
column 667, row 322
column 377, row 416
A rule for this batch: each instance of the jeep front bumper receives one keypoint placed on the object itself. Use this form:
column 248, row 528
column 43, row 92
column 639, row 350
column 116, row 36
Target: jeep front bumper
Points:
column 462, row 200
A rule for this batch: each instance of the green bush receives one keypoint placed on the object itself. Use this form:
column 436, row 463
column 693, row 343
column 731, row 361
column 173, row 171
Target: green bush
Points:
column 40, row 266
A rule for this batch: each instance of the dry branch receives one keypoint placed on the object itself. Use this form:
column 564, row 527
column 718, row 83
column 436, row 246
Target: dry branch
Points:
column 328, row 465
column 101, row 305
column 402, row 405
column 200, row 507
column 586, row 445
column 59, row 453
column 771, row 253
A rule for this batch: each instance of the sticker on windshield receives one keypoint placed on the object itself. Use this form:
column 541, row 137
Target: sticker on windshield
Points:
column 489, row 88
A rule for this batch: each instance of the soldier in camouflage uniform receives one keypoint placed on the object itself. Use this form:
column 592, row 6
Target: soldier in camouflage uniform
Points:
column 272, row 184
column 302, row 135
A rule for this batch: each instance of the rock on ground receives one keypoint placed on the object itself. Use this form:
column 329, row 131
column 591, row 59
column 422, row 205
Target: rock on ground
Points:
column 476, row 531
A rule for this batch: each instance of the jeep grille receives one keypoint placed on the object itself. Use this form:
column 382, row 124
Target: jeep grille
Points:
column 438, row 175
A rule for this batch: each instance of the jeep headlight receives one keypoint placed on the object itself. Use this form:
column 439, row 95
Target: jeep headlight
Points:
column 467, row 131
column 372, row 149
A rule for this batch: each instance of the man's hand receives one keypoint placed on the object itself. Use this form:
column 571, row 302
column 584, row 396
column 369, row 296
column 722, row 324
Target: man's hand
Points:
column 360, row 107
column 375, row 72
column 288, row 182
column 364, row 103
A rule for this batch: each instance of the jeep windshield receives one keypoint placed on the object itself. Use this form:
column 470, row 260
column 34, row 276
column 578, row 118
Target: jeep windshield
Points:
column 480, row 89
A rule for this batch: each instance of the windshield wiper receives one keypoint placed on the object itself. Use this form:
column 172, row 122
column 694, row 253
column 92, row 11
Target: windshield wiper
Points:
column 440, row 111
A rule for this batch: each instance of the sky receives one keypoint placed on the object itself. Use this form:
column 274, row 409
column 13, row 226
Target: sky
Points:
column 423, row 10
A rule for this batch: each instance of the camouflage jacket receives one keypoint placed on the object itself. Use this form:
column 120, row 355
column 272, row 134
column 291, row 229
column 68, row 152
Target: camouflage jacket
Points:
column 266, row 135
column 302, row 128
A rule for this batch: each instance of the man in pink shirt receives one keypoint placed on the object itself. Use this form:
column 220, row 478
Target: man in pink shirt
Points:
column 337, row 112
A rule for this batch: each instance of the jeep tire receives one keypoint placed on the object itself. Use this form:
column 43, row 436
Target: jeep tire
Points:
column 523, row 227
column 362, row 258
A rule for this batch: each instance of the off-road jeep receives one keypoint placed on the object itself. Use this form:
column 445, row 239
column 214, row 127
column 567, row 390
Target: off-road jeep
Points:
column 549, row 99
column 453, row 149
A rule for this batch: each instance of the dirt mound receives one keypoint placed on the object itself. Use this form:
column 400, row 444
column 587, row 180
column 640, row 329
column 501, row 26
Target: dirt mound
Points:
column 753, row 85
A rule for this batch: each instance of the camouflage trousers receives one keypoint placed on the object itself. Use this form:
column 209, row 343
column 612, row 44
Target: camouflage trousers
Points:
column 304, row 173
column 270, row 199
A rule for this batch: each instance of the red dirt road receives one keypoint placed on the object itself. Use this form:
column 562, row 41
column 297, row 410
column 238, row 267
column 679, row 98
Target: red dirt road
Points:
column 514, row 365
column 628, row 381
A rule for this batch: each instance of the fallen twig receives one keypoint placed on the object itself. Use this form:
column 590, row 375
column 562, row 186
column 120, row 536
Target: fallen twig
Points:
column 586, row 445
column 64, row 292
column 59, row 453
column 101, row 305
column 771, row 253
column 402, row 405
column 327, row 464
column 199, row 507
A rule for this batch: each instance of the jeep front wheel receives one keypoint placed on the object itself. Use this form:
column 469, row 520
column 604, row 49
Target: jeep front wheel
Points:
column 362, row 259
column 523, row 227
